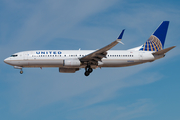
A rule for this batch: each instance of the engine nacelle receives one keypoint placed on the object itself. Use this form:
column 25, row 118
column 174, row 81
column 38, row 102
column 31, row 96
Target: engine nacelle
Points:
column 71, row 63
column 68, row 70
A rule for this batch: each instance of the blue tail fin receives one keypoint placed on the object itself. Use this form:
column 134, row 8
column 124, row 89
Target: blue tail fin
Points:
column 157, row 39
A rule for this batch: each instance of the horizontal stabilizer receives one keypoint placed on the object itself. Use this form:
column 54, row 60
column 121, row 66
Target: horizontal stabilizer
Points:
column 163, row 51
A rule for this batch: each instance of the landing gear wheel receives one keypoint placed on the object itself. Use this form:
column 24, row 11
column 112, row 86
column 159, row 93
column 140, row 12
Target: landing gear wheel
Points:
column 90, row 70
column 21, row 72
column 86, row 73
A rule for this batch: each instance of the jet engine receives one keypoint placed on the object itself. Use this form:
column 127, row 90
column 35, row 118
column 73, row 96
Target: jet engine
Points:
column 71, row 63
column 68, row 70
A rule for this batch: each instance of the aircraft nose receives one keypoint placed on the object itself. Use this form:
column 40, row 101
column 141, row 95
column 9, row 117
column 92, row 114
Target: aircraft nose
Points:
column 6, row 60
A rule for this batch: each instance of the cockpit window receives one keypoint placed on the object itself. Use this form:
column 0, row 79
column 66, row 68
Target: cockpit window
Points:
column 14, row 55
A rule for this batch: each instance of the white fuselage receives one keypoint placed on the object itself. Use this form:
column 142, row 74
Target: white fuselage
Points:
column 55, row 58
column 70, row 61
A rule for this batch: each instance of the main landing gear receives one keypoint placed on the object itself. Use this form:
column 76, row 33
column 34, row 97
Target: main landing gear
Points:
column 88, row 70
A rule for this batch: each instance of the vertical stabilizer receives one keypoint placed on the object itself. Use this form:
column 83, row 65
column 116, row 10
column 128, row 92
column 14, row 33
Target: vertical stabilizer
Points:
column 157, row 39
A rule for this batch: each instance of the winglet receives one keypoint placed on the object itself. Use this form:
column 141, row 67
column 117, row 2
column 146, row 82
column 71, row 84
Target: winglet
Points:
column 121, row 35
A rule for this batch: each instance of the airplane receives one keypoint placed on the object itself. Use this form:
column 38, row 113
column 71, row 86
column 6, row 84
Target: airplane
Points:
column 70, row 61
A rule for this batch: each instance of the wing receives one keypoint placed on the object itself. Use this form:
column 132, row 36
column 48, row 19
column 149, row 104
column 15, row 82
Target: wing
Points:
column 99, row 54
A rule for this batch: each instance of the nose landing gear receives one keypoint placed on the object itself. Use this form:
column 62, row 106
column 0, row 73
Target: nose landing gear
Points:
column 88, row 70
column 21, row 72
column 18, row 67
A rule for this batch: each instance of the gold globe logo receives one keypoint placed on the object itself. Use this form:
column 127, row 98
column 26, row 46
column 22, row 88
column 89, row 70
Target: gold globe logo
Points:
column 152, row 44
